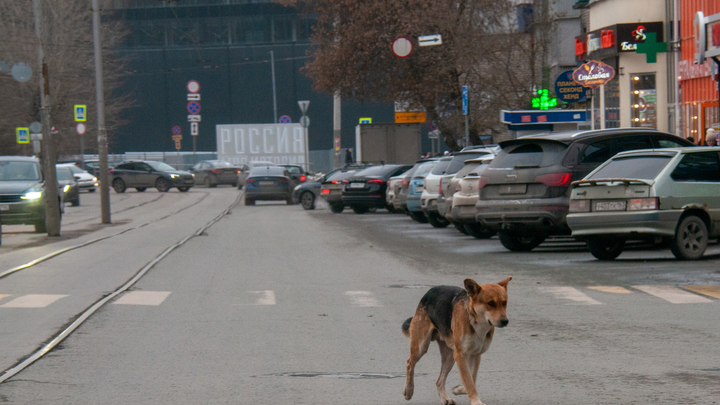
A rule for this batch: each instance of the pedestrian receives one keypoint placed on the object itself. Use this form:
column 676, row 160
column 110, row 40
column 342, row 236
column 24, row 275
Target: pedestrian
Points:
column 348, row 157
column 691, row 139
column 711, row 137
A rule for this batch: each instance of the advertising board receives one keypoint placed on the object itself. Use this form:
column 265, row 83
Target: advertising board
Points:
column 277, row 143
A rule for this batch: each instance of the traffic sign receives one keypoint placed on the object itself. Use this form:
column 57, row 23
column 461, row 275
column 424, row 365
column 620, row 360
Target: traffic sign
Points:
column 193, row 107
column 22, row 135
column 194, row 129
column 410, row 117
column 402, row 47
column 80, row 128
column 434, row 134
column 176, row 130
column 304, row 105
column 53, row 130
column 35, row 127
column 285, row 119
column 433, row 126
column 366, row 120
column 80, row 112
column 430, row 40
column 465, row 100
column 193, row 86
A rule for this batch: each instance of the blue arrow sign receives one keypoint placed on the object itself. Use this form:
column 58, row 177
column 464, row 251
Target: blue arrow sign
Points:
column 465, row 100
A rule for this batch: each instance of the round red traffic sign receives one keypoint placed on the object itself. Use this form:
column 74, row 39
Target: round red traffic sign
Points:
column 193, row 107
column 402, row 47
column 193, row 86
column 176, row 130
column 80, row 128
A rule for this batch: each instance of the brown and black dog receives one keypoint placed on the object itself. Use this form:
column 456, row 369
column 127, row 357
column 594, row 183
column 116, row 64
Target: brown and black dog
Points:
column 462, row 322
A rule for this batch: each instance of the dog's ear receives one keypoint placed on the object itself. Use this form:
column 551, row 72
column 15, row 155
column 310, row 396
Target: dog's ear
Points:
column 505, row 282
column 472, row 287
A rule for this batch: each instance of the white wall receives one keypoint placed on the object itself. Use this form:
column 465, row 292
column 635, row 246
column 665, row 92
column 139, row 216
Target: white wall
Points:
column 609, row 12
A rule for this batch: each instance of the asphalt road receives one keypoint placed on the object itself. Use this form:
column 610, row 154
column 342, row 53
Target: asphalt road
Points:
column 273, row 304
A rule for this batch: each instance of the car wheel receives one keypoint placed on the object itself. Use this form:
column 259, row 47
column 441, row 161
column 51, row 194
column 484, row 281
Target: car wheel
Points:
column 437, row 221
column 249, row 201
column 337, row 208
column 140, row 189
column 162, row 185
column 460, row 228
column 520, row 243
column 40, row 227
column 183, row 189
column 359, row 209
column 119, row 186
column 605, row 248
column 307, row 199
column 691, row 238
column 418, row 217
column 478, row 231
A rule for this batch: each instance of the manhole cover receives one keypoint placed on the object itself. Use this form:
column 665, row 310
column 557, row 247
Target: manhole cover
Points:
column 342, row 375
column 409, row 286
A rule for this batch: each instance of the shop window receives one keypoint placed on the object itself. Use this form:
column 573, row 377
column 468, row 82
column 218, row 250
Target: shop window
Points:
column 643, row 105
column 612, row 103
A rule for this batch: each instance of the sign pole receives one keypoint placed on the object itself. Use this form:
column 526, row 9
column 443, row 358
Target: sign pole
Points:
column 102, row 131
column 465, row 113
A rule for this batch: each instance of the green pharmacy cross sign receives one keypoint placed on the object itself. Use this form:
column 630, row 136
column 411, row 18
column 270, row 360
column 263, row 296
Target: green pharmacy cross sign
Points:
column 651, row 47
column 544, row 102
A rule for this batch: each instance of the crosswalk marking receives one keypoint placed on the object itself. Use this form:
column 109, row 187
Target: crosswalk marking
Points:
column 33, row 301
column 142, row 298
column 709, row 290
column 362, row 299
column 611, row 289
column 571, row 294
column 672, row 294
column 266, row 297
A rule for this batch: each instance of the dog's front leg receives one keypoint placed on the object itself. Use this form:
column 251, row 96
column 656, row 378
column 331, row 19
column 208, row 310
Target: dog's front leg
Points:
column 466, row 367
column 446, row 354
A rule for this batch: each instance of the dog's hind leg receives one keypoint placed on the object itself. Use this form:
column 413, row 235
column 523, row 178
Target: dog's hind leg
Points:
column 421, row 334
column 446, row 354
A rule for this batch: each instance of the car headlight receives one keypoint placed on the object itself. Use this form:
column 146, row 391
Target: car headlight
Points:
column 192, row 174
column 94, row 178
column 174, row 176
column 297, row 187
column 66, row 188
column 32, row 195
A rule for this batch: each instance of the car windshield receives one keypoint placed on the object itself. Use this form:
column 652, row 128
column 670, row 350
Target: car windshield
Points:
column 267, row 171
column 221, row 163
column 377, row 171
column 342, row 175
column 75, row 169
column 441, row 167
column 424, row 169
column 459, row 161
column 161, row 167
column 632, row 167
column 19, row 171
column 293, row 169
column 64, row 174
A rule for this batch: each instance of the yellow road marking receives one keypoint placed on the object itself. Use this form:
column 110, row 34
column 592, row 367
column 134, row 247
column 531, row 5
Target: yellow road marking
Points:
column 709, row 290
column 611, row 289
column 4, row 295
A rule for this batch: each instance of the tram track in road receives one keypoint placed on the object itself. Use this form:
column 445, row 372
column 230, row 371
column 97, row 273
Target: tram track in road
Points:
column 85, row 315
column 123, row 209
column 90, row 242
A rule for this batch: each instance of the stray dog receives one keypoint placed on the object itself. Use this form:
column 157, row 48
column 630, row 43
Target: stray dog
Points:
column 462, row 322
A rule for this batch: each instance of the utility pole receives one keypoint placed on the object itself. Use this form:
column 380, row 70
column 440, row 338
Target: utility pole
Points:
column 52, row 204
column 337, row 130
column 272, row 69
column 102, row 132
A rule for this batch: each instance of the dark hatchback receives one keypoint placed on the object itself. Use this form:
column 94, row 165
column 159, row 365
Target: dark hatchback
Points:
column 142, row 174
column 525, row 192
column 268, row 183
column 367, row 188
column 211, row 173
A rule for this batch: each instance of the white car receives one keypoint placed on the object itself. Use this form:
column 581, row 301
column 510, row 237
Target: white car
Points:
column 85, row 180
column 431, row 192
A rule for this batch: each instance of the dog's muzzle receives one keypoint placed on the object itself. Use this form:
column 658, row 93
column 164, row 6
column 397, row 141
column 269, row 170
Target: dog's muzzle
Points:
column 503, row 322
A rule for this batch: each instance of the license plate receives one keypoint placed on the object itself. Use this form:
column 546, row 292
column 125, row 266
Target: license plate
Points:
column 4, row 207
column 267, row 183
column 513, row 189
column 357, row 185
column 610, row 206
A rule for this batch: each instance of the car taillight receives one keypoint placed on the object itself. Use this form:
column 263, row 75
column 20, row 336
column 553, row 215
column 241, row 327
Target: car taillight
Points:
column 302, row 178
column 579, row 205
column 335, row 182
column 425, row 183
column 283, row 180
column 376, row 181
column 112, row 171
column 216, row 171
column 346, row 181
column 405, row 182
column 482, row 182
column 250, row 181
column 639, row 204
column 458, row 188
column 325, row 191
column 440, row 190
column 555, row 179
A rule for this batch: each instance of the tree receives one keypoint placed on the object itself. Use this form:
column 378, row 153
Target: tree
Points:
column 69, row 56
column 481, row 48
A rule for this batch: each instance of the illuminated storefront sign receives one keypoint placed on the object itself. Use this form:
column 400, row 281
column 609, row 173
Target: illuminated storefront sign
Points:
column 593, row 74
column 615, row 39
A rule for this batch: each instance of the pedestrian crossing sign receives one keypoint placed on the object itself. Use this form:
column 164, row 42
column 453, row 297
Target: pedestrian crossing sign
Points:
column 80, row 112
column 23, row 135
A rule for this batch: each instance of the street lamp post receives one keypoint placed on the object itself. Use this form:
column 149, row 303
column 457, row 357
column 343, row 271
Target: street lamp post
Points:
column 305, row 122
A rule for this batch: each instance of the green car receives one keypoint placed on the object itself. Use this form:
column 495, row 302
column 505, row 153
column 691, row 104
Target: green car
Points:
column 671, row 195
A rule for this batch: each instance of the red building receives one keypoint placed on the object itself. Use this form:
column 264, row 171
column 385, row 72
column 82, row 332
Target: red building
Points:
column 699, row 90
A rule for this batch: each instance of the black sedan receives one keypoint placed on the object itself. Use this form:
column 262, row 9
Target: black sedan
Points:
column 142, row 174
column 366, row 189
column 68, row 184
column 306, row 193
column 210, row 173
column 268, row 183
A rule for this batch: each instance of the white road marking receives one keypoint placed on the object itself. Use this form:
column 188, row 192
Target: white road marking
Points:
column 266, row 297
column 142, row 298
column 672, row 294
column 33, row 301
column 611, row 289
column 710, row 290
column 571, row 294
column 362, row 299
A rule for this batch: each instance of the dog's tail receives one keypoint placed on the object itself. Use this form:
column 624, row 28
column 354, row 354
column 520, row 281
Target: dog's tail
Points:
column 406, row 327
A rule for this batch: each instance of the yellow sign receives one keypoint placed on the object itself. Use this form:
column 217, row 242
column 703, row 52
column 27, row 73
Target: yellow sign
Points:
column 410, row 117
column 22, row 135
column 80, row 111
column 366, row 120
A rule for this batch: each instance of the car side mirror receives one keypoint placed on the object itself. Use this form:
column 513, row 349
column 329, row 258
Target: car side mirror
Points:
column 76, row 177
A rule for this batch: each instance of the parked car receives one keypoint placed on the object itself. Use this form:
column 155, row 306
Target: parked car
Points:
column 451, row 188
column 68, row 185
column 142, row 174
column 307, row 193
column 22, row 192
column 268, row 183
column 331, row 189
column 211, row 173
column 393, row 190
column 525, row 192
column 85, row 180
column 245, row 171
column 366, row 189
column 401, row 194
column 466, row 195
column 431, row 192
column 671, row 194
column 444, row 203
column 297, row 174
column 415, row 189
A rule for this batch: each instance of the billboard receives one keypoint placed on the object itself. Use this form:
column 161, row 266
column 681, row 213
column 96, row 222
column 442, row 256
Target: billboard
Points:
column 277, row 143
